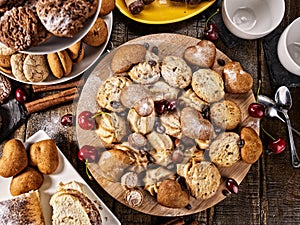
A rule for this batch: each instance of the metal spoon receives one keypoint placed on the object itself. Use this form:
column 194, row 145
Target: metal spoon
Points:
column 283, row 100
column 271, row 110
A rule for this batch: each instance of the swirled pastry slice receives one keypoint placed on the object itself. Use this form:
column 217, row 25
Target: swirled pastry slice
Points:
column 23, row 209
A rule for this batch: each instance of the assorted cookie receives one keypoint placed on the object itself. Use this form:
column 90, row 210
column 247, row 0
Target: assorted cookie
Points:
column 167, row 126
column 35, row 21
column 32, row 23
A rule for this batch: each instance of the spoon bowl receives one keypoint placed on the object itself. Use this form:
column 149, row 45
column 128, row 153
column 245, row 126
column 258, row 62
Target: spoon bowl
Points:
column 283, row 100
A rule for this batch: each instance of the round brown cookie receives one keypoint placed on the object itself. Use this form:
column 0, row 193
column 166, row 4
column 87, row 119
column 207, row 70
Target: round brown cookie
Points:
column 224, row 151
column 176, row 72
column 5, row 88
column 19, row 28
column 17, row 62
column 29, row 179
column 253, row 147
column 225, row 114
column 5, row 61
column 106, row 7
column 64, row 18
column 98, row 34
column 126, row 56
column 35, row 68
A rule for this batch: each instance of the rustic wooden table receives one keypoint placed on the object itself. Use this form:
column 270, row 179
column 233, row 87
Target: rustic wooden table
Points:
column 269, row 194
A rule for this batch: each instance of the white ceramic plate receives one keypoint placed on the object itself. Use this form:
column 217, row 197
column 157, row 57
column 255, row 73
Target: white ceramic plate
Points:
column 55, row 44
column 64, row 173
column 91, row 55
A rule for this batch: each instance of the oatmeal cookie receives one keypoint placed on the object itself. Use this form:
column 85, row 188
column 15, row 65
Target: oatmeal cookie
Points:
column 35, row 68
column 17, row 62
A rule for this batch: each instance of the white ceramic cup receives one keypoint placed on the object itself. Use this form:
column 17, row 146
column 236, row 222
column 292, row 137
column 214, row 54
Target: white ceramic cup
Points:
column 288, row 48
column 252, row 19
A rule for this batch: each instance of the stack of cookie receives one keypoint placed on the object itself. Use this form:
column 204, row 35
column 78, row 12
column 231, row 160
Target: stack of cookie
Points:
column 173, row 112
column 35, row 16
column 33, row 22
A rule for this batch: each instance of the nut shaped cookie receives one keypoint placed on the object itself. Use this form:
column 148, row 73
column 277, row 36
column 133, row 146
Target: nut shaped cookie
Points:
column 171, row 195
column 236, row 80
column 29, row 179
column 44, row 155
column 203, row 54
column 253, row 147
column 14, row 158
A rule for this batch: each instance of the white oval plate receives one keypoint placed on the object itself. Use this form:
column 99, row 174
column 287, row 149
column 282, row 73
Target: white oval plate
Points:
column 91, row 54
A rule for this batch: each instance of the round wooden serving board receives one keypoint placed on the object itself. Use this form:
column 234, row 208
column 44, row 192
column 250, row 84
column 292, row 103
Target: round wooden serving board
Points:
column 168, row 44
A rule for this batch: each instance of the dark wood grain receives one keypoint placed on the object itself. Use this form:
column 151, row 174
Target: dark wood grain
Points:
column 270, row 192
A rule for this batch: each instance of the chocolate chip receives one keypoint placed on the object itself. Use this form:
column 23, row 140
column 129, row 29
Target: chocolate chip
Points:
column 221, row 62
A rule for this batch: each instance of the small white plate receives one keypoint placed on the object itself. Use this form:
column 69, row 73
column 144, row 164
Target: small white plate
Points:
column 55, row 44
column 64, row 173
column 91, row 54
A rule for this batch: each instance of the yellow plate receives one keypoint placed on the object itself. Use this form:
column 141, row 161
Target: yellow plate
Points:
column 156, row 13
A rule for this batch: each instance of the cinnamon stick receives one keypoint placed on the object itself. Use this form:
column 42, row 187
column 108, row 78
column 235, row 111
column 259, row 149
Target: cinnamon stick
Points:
column 51, row 100
column 55, row 87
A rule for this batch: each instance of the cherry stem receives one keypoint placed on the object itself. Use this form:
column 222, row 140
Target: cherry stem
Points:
column 209, row 18
column 87, row 170
column 99, row 113
column 258, row 90
column 270, row 136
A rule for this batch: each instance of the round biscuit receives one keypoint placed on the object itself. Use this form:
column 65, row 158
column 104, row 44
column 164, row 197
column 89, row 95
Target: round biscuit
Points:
column 36, row 68
column 17, row 62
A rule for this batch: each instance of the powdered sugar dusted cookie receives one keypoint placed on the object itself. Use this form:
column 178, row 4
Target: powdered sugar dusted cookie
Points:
column 36, row 68
column 64, row 18
column 19, row 28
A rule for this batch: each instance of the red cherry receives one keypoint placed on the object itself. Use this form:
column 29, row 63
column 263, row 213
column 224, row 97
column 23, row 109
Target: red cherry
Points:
column 21, row 95
column 211, row 32
column 88, row 152
column 160, row 106
column 256, row 110
column 277, row 146
column 86, row 120
column 67, row 120
column 232, row 185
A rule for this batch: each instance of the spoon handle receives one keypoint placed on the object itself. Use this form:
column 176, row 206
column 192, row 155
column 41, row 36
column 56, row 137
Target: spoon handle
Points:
column 295, row 158
column 293, row 129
